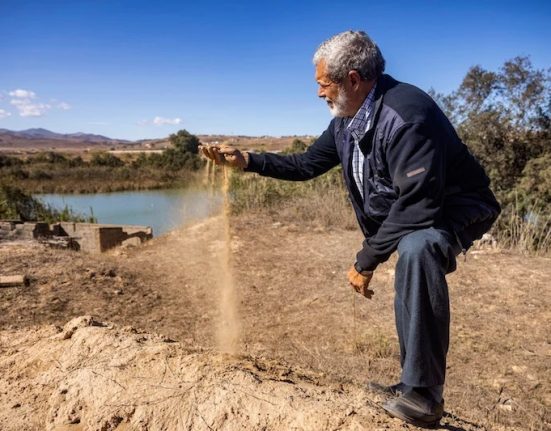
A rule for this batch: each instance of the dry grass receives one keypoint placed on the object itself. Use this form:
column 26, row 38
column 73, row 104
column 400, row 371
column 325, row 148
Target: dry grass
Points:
column 527, row 231
column 321, row 202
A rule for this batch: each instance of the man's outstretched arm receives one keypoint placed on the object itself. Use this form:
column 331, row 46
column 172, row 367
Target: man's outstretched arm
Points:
column 317, row 159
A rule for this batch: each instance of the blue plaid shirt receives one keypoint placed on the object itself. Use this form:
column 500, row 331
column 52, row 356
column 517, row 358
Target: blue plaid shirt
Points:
column 357, row 127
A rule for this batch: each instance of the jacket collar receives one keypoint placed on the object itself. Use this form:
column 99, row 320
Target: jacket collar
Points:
column 384, row 82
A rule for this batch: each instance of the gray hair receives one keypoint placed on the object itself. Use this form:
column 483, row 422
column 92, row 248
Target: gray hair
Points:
column 351, row 50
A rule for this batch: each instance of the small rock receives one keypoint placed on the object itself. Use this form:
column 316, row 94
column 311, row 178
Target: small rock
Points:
column 16, row 406
column 79, row 322
column 519, row 369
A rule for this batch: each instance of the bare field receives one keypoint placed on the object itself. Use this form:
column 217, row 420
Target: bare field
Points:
column 24, row 146
column 313, row 343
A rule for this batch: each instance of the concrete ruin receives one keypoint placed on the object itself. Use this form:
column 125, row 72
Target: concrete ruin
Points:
column 86, row 237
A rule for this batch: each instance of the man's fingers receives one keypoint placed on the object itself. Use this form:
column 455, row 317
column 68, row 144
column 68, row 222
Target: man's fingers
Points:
column 204, row 151
column 220, row 153
column 367, row 292
column 225, row 149
column 363, row 290
column 214, row 154
column 356, row 288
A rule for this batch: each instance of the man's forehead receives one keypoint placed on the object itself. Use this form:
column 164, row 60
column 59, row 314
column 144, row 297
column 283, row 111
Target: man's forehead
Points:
column 321, row 71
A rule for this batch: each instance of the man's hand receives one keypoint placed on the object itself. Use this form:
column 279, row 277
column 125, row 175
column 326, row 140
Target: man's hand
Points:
column 224, row 154
column 360, row 282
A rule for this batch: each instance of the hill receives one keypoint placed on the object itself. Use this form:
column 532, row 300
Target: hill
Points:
column 42, row 139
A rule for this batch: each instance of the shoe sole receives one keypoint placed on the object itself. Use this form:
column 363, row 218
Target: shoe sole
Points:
column 409, row 420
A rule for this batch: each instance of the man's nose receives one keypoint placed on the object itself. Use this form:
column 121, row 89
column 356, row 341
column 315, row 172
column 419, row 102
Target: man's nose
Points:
column 321, row 91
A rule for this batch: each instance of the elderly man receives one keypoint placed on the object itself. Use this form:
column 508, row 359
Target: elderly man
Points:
column 415, row 188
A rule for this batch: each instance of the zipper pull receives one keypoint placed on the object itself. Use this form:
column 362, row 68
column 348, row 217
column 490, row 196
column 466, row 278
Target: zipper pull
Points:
column 464, row 251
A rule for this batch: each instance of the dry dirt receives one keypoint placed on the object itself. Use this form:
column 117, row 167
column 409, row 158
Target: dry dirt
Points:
column 306, row 346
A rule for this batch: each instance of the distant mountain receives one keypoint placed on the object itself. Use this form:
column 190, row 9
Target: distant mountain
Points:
column 39, row 133
column 36, row 133
column 41, row 139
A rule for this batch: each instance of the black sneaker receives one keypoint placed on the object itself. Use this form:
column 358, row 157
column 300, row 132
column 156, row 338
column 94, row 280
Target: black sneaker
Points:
column 393, row 390
column 415, row 409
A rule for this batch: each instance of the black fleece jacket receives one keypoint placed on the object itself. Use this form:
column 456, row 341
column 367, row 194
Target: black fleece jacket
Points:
column 417, row 173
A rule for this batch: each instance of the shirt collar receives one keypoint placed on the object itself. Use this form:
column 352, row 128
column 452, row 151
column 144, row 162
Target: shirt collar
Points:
column 359, row 123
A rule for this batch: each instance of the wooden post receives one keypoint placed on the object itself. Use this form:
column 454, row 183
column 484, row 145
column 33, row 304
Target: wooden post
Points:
column 13, row 280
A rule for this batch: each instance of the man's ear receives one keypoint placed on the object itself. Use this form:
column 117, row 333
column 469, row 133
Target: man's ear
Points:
column 354, row 78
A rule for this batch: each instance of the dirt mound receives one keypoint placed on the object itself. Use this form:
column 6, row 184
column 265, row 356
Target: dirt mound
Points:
column 93, row 376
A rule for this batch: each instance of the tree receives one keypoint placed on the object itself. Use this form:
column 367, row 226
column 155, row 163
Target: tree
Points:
column 504, row 119
column 185, row 141
column 183, row 154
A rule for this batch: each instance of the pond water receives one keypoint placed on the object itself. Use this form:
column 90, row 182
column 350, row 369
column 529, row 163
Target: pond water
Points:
column 163, row 210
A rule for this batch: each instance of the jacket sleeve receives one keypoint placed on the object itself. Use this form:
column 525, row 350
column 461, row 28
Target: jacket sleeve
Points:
column 416, row 163
column 317, row 159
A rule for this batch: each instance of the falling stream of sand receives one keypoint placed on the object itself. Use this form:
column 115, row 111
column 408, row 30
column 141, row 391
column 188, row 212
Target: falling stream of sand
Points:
column 227, row 330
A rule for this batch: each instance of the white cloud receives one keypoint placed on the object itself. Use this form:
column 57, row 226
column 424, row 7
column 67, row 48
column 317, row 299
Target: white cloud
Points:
column 27, row 108
column 25, row 103
column 22, row 94
column 160, row 121
column 4, row 114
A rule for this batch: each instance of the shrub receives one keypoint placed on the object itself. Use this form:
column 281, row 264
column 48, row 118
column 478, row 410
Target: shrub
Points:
column 106, row 159
column 48, row 157
column 17, row 205
column 297, row 146
column 7, row 161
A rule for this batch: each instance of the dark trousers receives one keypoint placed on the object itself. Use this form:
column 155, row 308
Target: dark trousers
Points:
column 422, row 304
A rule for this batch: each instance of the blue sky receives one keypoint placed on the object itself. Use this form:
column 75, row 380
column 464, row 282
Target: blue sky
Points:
column 143, row 69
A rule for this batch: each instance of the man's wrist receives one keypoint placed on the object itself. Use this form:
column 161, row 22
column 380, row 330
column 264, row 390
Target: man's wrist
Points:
column 364, row 272
column 246, row 158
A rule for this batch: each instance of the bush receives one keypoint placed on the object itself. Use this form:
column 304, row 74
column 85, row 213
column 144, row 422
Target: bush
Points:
column 7, row 161
column 50, row 157
column 17, row 205
column 297, row 146
column 106, row 159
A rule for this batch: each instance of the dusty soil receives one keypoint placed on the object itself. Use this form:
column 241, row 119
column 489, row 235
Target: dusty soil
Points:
column 307, row 345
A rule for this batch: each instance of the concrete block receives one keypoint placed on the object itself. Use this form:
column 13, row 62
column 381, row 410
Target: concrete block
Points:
column 97, row 238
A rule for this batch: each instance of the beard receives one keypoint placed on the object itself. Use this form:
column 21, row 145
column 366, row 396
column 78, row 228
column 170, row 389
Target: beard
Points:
column 338, row 106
